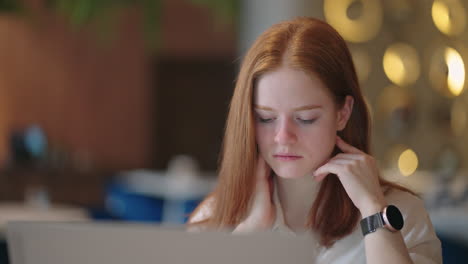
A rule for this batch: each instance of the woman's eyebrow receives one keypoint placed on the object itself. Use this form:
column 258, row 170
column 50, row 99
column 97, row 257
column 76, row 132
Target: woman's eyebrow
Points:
column 266, row 108
column 301, row 108
column 307, row 107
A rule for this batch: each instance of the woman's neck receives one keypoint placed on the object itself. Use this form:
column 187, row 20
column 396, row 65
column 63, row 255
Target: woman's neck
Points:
column 296, row 197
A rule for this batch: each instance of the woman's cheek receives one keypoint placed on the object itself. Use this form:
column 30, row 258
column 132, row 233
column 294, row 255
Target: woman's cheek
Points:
column 326, row 141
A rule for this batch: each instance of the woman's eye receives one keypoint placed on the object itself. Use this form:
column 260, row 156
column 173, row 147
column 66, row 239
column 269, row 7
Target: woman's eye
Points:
column 265, row 120
column 306, row 121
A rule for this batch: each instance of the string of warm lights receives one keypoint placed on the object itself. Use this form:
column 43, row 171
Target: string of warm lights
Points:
column 406, row 65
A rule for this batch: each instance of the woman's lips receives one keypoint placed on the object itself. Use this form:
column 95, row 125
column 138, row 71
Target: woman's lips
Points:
column 286, row 157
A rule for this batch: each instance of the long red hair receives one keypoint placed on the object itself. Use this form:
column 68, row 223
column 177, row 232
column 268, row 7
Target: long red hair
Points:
column 314, row 47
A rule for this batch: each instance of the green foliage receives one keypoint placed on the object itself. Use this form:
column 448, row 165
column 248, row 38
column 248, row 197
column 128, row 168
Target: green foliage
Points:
column 80, row 12
column 9, row 6
column 225, row 10
column 103, row 12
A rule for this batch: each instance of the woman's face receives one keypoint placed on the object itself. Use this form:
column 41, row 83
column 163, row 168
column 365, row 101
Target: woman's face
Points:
column 296, row 121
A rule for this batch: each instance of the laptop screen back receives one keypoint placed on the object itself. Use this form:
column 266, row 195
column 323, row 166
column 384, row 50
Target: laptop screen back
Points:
column 110, row 243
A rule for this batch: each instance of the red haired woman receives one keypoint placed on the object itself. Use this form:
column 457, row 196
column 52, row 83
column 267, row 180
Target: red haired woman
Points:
column 296, row 156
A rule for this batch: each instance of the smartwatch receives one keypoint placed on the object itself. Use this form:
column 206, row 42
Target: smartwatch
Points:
column 390, row 218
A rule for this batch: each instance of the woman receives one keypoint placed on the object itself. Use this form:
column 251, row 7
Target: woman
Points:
column 296, row 155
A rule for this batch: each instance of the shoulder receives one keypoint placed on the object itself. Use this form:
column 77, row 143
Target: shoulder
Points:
column 411, row 206
column 403, row 198
column 418, row 232
column 406, row 201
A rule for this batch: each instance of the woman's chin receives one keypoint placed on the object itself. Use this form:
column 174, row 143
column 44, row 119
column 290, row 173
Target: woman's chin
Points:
column 290, row 175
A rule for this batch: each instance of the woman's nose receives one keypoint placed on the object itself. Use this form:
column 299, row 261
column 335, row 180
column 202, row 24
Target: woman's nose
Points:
column 285, row 133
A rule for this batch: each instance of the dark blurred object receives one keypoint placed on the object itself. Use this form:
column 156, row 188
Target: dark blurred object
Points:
column 191, row 107
column 19, row 153
column 453, row 252
column 85, row 189
column 28, row 146
column 3, row 252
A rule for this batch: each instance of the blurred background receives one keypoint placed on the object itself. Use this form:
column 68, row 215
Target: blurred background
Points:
column 115, row 109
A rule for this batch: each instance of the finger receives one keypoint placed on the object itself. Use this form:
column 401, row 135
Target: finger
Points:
column 326, row 169
column 320, row 177
column 345, row 147
column 339, row 166
column 350, row 156
column 342, row 161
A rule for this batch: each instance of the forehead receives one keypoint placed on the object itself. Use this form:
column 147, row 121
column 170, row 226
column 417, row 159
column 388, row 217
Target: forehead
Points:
column 287, row 87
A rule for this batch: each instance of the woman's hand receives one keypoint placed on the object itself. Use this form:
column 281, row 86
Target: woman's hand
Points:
column 359, row 176
column 262, row 212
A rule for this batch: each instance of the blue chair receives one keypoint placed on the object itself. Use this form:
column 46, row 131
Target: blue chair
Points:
column 453, row 251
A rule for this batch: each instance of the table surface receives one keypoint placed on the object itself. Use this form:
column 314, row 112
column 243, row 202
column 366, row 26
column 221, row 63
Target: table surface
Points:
column 16, row 211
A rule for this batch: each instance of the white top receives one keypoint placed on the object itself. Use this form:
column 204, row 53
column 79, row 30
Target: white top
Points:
column 419, row 235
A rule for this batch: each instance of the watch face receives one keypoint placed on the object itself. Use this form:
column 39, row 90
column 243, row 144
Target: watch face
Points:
column 394, row 217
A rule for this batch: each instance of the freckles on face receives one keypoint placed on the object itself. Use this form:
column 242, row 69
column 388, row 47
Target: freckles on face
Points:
column 295, row 121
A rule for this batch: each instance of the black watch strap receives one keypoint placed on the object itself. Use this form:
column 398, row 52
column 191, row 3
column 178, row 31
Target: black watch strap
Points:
column 371, row 223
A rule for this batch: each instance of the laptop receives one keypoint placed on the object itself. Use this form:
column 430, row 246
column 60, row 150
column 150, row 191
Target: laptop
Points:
column 118, row 243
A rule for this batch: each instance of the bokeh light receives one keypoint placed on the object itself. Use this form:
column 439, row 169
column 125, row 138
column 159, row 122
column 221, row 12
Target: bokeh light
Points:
column 401, row 64
column 408, row 162
column 449, row 16
column 456, row 71
column 447, row 71
column 357, row 21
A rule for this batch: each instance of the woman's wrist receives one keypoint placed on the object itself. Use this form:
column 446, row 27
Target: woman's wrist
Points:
column 372, row 208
